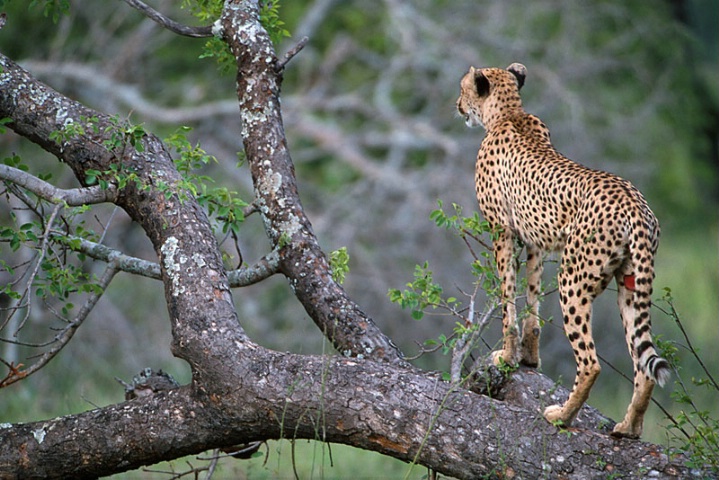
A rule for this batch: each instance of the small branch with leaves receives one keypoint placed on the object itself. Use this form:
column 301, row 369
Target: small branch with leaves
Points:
column 71, row 197
column 171, row 25
column 63, row 337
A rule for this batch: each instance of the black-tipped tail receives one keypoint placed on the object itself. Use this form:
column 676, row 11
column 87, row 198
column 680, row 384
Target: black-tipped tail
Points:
column 658, row 369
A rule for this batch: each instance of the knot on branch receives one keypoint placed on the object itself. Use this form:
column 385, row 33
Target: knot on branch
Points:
column 148, row 382
column 487, row 380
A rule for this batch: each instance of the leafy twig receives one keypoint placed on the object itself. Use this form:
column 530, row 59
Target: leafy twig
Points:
column 66, row 334
column 171, row 25
column 72, row 197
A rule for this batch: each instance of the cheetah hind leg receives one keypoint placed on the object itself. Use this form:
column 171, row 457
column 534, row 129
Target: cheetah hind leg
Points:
column 577, row 316
column 529, row 347
column 631, row 425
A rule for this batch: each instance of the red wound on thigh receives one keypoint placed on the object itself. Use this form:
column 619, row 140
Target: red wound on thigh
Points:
column 629, row 282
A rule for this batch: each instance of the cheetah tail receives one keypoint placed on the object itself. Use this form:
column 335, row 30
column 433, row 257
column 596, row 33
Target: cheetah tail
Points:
column 650, row 362
column 656, row 367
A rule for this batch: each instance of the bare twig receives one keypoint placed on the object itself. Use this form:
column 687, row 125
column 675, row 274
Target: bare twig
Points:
column 473, row 333
column 173, row 26
column 462, row 346
column 62, row 339
column 41, row 256
column 673, row 313
column 423, row 350
column 212, row 466
column 291, row 53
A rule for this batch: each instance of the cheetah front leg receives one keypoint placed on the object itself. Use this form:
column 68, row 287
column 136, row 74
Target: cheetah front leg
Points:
column 530, row 326
column 507, row 270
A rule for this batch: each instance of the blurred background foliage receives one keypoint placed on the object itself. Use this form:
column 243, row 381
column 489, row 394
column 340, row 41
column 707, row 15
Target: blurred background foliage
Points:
column 624, row 85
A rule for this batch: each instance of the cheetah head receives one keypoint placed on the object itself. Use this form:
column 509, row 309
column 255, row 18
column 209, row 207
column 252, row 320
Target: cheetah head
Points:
column 488, row 93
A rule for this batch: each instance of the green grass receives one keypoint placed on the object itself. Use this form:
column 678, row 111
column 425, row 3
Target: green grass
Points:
column 276, row 460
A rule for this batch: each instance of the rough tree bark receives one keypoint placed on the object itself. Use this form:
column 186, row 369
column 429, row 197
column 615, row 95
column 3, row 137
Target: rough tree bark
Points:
column 241, row 392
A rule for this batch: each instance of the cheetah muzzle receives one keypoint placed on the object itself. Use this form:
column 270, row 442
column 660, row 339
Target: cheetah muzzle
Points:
column 602, row 224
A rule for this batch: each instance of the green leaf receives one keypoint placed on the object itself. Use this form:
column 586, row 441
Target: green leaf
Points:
column 53, row 8
column 339, row 264
column 3, row 122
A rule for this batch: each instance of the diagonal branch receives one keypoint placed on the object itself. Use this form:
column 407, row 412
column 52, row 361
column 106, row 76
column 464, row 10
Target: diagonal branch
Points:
column 173, row 26
column 291, row 53
column 287, row 226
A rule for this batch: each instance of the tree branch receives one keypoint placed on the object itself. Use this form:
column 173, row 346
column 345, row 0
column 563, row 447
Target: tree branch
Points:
column 262, row 269
column 302, row 260
column 291, row 54
column 72, row 197
column 241, row 277
column 130, row 95
column 399, row 412
column 171, row 25
column 123, row 262
column 191, row 264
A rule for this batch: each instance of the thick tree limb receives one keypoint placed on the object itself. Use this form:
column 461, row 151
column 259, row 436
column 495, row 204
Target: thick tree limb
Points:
column 402, row 413
column 192, row 270
column 301, row 259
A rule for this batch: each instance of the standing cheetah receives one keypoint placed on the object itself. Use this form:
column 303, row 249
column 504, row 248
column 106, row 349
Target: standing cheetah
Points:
column 530, row 192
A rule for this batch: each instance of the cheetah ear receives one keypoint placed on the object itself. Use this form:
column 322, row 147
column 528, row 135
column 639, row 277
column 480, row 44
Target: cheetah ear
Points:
column 481, row 83
column 520, row 73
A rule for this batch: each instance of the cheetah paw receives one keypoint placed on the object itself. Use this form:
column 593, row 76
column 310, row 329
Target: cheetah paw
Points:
column 554, row 414
column 500, row 358
column 625, row 430
column 531, row 361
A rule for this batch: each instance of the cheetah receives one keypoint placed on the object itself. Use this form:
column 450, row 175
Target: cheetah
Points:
column 532, row 194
